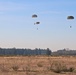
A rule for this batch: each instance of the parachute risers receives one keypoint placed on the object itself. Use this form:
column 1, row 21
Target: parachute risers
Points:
column 70, row 18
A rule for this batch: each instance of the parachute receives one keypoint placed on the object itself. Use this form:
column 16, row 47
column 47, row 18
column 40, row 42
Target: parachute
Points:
column 37, row 23
column 34, row 16
column 70, row 18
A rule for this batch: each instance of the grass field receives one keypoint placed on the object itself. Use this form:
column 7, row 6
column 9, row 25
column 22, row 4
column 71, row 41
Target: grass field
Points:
column 38, row 65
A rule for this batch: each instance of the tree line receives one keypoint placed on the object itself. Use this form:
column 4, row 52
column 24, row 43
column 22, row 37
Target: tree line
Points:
column 14, row 51
column 64, row 52
column 36, row 51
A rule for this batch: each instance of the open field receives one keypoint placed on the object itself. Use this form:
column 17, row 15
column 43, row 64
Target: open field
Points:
column 38, row 65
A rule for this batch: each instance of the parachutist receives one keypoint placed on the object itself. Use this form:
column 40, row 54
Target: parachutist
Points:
column 70, row 26
column 37, row 28
column 34, row 23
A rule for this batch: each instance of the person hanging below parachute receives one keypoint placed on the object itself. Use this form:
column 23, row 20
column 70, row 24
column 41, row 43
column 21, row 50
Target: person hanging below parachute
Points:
column 70, row 18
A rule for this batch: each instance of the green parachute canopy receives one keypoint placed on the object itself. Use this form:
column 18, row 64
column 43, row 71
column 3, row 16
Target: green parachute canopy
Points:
column 70, row 17
column 37, row 22
column 34, row 16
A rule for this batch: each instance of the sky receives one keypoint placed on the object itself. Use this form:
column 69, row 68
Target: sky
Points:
column 17, row 27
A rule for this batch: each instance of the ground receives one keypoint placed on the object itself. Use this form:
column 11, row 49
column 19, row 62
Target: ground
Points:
column 37, row 65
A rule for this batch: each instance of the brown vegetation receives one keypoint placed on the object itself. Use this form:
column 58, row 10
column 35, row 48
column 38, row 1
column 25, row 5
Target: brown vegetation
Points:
column 38, row 65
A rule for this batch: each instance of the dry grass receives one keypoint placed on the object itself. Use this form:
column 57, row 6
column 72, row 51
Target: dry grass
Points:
column 37, row 65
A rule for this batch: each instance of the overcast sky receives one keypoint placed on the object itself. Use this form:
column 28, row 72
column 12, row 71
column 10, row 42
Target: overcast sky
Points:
column 17, row 27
